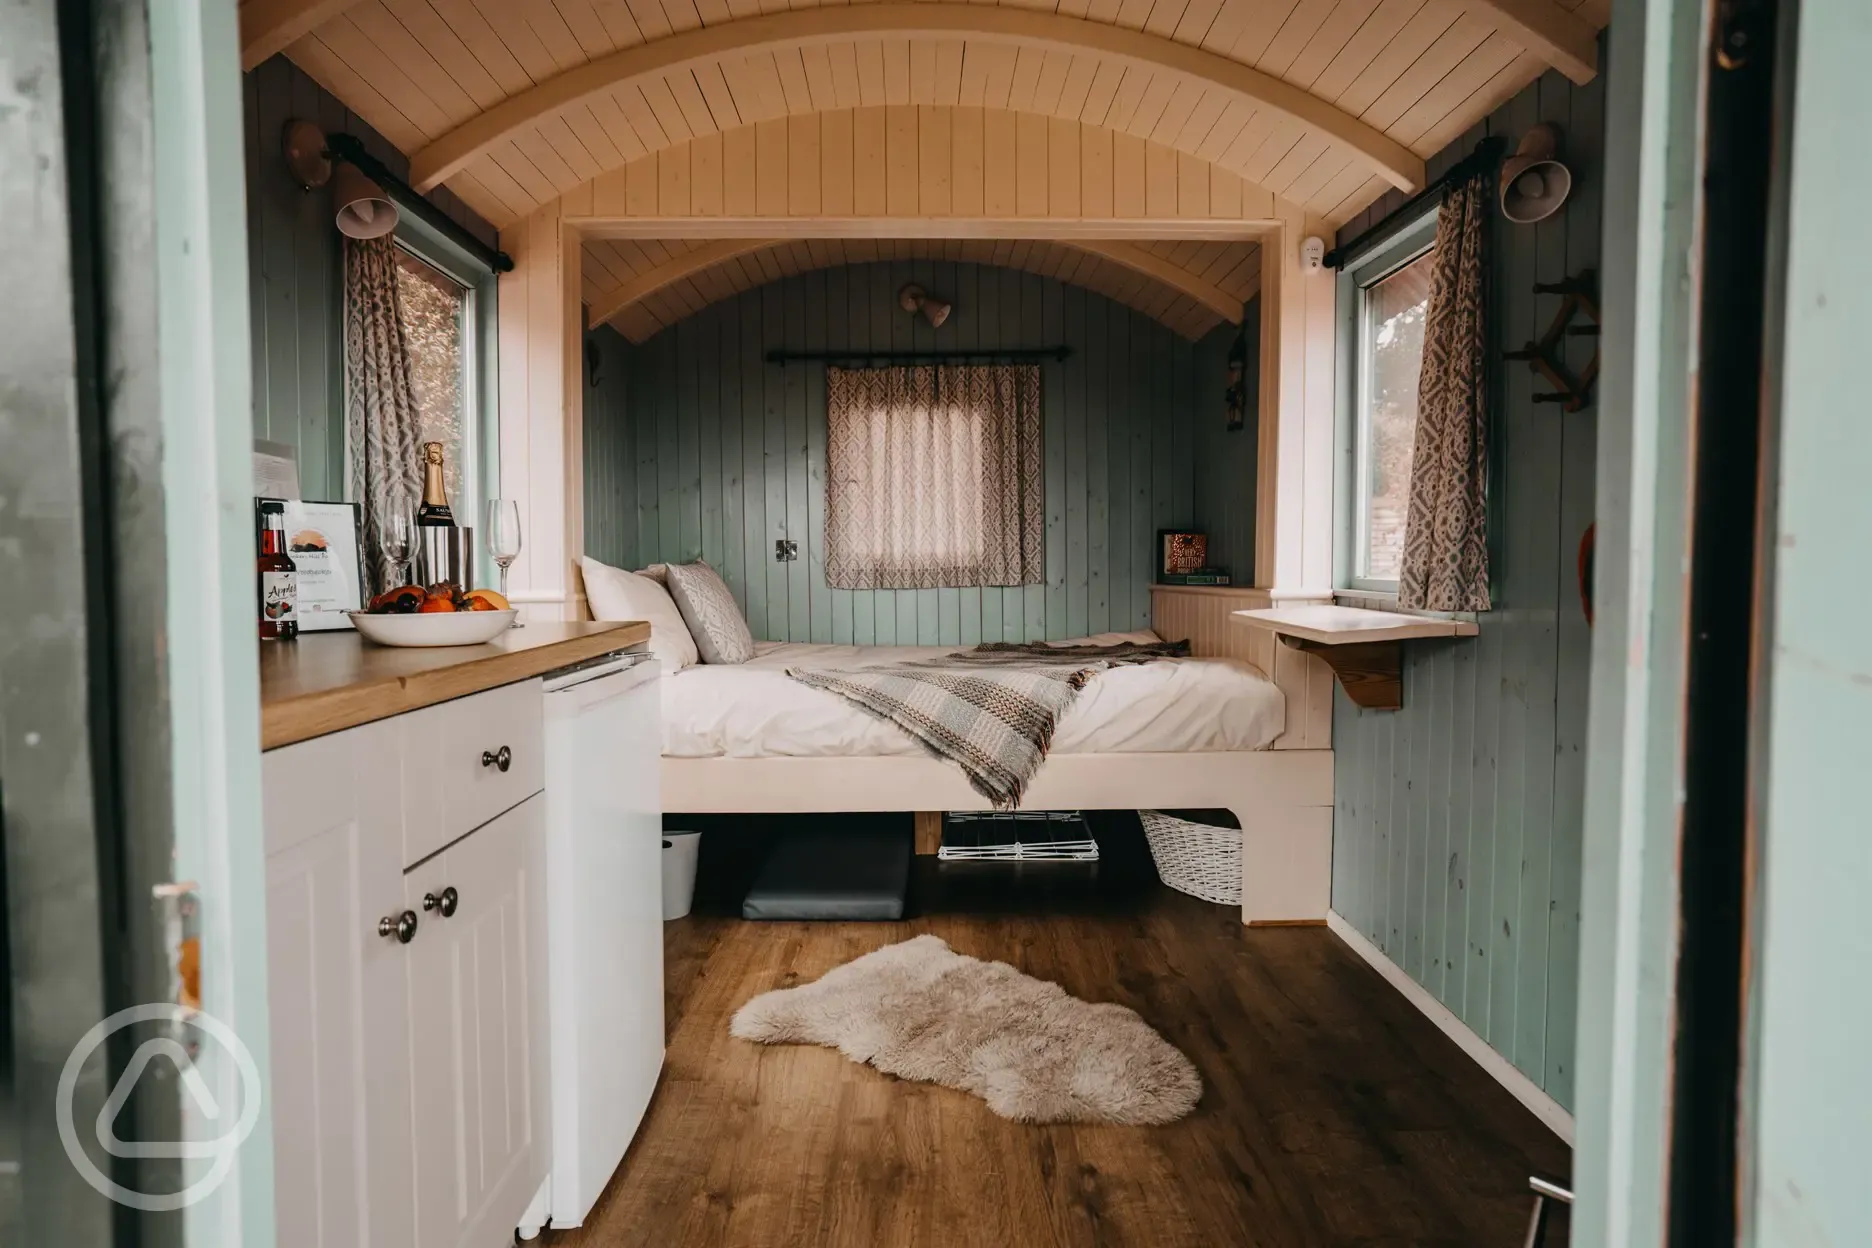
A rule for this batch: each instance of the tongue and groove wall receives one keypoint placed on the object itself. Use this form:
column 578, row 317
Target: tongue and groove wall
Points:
column 1456, row 839
column 695, row 447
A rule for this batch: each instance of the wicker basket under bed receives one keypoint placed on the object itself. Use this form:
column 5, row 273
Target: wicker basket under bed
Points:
column 1196, row 858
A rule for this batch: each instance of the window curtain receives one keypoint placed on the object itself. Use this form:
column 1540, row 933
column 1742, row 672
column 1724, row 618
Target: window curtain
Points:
column 934, row 477
column 1445, row 562
column 380, row 402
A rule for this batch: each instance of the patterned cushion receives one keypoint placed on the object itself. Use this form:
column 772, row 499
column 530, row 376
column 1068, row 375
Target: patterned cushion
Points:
column 721, row 635
column 614, row 594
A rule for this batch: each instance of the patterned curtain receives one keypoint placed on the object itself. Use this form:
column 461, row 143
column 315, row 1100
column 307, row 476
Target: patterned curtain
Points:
column 934, row 477
column 1445, row 564
column 380, row 403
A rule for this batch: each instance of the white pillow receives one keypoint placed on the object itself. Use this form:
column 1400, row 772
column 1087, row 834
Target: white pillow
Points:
column 615, row 594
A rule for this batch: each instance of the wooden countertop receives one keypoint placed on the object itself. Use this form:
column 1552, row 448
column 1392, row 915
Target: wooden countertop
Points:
column 326, row 682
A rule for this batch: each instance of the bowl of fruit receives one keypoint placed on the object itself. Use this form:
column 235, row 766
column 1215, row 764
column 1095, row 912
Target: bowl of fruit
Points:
column 439, row 615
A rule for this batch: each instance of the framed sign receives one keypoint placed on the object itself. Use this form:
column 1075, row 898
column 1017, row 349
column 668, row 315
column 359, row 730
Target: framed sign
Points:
column 1181, row 552
column 325, row 541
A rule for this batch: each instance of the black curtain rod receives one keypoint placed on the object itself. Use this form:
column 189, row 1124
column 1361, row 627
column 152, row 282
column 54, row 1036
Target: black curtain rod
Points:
column 1013, row 354
column 346, row 147
column 1486, row 154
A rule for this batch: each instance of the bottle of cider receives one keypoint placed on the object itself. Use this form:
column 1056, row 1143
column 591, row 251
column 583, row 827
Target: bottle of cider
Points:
column 434, row 511
column 278, row 577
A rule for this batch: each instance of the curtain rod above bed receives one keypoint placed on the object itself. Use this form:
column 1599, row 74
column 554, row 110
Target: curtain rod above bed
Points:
column 1011, row 355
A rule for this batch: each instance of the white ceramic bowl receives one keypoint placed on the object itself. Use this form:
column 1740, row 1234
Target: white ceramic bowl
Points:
column 438, row 628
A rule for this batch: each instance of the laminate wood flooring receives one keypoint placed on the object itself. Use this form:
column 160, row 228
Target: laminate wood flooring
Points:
column 1332, row 1112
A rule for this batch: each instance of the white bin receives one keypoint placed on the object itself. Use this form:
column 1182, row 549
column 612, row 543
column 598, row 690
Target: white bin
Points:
column 679, row 864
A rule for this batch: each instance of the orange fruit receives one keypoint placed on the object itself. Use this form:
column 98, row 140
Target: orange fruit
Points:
column 493, row 600
column 436, row 605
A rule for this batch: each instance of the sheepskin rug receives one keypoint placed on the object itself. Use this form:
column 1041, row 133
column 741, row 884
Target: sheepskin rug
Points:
column 920, row 1010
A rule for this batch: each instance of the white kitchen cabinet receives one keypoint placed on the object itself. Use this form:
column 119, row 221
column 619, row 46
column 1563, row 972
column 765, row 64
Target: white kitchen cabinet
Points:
column 337, row 992
column 477, row 1003
column 410, row 1080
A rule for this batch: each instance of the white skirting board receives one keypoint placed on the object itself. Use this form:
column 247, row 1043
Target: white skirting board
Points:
column 1503, row 1071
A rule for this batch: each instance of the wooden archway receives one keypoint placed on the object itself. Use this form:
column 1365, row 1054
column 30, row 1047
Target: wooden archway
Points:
column 1191, row 286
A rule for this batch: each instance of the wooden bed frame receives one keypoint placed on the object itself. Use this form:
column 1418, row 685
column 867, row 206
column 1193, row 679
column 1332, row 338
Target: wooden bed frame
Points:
column 1282, row 795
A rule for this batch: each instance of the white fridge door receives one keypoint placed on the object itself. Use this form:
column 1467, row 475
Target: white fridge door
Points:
column 605, row 921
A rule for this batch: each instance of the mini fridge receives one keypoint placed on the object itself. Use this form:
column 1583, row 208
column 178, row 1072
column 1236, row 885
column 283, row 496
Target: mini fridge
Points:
column 605, row 917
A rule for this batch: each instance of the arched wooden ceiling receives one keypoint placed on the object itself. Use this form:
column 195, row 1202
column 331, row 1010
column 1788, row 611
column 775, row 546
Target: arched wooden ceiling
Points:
column 1326, row 103
column 641, row 287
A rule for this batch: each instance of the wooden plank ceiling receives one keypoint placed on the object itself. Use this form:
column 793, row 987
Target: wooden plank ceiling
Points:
column 641, row 286
column 1326, row 103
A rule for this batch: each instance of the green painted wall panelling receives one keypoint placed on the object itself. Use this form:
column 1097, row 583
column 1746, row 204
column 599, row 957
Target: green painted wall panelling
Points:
column 1456, row 844
column 294, row 274
column 1225, row 459
column 695, row 447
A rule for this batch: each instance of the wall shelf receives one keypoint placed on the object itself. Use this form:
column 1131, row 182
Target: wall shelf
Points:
column 1365, row 649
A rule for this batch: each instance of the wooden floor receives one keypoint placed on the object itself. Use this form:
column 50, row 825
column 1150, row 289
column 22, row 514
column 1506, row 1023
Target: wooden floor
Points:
column 1332, row 1112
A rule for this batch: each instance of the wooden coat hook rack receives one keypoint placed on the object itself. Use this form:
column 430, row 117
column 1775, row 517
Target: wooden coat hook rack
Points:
column 1579, row 299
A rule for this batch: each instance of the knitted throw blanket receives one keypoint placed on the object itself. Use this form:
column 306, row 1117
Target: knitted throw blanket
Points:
column 991, row 710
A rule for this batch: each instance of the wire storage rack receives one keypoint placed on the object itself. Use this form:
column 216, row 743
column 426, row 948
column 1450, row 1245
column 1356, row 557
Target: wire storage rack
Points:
column 1016, row 836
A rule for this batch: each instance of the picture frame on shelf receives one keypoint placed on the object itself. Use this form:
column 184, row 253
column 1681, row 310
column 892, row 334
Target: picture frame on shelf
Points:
column 326, row 542
column 1180, row 552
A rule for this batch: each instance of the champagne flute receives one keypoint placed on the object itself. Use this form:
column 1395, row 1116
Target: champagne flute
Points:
column 503, row 538
column 396, row 535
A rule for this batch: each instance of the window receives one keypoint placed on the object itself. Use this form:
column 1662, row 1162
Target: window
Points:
column 1386, row 297
column 438, row 316
column 934, row 477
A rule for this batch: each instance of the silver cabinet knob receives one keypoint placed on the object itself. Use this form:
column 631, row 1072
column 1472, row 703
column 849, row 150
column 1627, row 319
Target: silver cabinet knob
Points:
column 401, row 927
column 446, row 902
column 502, row 758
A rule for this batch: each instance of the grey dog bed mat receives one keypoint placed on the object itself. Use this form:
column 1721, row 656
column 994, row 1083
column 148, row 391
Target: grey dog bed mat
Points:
column 832, row 875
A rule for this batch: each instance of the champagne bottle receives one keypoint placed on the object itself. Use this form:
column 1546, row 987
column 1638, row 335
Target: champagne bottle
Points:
column 278, row 577
column 434, row 512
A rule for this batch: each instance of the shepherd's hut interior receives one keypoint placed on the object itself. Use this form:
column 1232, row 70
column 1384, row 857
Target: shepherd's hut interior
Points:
column 1178, row 622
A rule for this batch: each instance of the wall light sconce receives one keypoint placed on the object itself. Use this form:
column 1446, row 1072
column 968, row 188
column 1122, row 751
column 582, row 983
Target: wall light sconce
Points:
column 363, row 210
column 368, row 198
column 1533, row 181
column 914, row 299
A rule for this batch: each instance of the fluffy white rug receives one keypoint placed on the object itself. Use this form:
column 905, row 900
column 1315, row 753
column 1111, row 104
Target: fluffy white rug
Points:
column 922, row 1011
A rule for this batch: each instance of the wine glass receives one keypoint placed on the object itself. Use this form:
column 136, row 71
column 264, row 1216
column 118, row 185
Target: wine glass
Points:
column 396, row 535
column 503, row 538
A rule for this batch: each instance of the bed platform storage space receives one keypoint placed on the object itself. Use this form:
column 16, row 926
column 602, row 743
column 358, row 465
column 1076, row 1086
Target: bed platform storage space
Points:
column 1211, row 730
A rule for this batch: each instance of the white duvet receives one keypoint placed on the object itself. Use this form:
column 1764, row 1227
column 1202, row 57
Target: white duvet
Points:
column 755, row 710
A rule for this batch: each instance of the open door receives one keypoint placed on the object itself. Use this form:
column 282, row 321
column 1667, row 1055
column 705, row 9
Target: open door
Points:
column 133, row 1037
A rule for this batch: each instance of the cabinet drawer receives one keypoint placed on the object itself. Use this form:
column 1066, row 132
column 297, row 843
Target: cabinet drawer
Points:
column 453, row 781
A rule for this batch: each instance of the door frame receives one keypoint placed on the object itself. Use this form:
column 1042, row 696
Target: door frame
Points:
column 207, row 479
column 1630, row 894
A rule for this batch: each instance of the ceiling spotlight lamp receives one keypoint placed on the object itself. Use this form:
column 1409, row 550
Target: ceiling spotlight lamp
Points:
column 914, row 299
column 1533, row 181
column 361, row 207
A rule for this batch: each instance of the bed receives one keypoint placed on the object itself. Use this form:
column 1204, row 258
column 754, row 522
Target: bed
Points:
column 1249, row 731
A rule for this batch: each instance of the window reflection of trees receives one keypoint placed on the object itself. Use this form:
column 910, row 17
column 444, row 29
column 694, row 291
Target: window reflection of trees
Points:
column 435, row 321
column 1397, row 307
